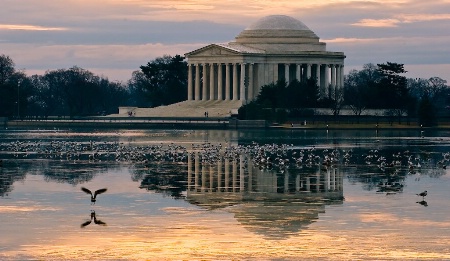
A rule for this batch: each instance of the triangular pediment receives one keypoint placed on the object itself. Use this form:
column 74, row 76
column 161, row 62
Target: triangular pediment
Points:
column 213, row 50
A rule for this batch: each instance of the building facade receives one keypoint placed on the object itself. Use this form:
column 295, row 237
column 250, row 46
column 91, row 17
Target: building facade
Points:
column 273, row 48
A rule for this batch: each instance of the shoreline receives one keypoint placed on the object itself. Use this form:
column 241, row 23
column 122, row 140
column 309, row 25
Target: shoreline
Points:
column 205, row 123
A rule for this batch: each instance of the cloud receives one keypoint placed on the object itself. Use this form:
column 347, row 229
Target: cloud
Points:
column 30, row 27
column 401, row 19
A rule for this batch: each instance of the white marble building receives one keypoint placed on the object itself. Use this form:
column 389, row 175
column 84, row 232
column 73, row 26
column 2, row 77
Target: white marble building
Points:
column 274, row 47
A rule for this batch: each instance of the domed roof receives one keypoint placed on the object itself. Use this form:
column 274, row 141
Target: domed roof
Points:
column 277, row 29
column 277, row 22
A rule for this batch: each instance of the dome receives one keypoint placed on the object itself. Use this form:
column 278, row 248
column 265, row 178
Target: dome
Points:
column 277, row 29
column 278, row 22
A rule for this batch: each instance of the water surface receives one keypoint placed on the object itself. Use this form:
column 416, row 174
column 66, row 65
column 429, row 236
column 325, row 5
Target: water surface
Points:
column 224, row 195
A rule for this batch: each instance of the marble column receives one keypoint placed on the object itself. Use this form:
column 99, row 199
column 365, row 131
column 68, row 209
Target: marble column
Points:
column 205, row 82
column 342, row 76
column 250, row 82
column 308, row 71
column 227, row 82
column 286, row 73
column 318, row 75
column 326, row 81
column 338, row 76
column 197, row 82
column 242, row 90
column 190, row 82
column 219, row 83
column 211, row 82
column 275, row 73
column 333, row 77
column 298, row 72
column 235, row 82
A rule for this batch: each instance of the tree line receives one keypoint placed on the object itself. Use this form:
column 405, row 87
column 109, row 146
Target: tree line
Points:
column 379, row 87
column 78, row 92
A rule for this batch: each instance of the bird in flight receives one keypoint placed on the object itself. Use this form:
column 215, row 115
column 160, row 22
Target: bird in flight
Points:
column 93, row 196
column 96, row 221
column 422, row 194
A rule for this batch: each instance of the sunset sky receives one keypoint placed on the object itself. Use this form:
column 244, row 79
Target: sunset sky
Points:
column 112, row 38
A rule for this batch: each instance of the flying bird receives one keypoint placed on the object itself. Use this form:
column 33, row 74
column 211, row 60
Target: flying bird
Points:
column 93, row 196
column 422, row 194
column 96, row 221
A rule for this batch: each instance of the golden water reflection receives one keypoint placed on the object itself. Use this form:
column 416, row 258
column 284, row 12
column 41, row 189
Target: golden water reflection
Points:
column 226, row 210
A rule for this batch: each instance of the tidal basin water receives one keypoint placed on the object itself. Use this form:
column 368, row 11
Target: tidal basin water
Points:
column 224, row 195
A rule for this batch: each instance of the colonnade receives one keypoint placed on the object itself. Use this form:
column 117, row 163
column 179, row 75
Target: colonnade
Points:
column 231, row 176
column 242, row 81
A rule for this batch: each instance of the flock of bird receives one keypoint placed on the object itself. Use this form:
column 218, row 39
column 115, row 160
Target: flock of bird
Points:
column 264, row 156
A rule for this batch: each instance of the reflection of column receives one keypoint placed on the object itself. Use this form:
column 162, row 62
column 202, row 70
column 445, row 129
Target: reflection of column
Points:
column 219, row 83
column 227, row 175
column 196, row 171
column 234, row 177
column 297, row 183
column 327, row 181
column 250, row 177
column 197, row 82
column 318, row 180
column 308, row 184
column 203, row 178
column 333, row 180
column 219, row 175
column 189, row 82
column 241, row 174
column 286, row 182
column 189, row 170
column 211, row 178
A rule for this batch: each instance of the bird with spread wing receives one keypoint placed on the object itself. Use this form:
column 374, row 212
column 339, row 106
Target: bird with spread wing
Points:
column 94, row 196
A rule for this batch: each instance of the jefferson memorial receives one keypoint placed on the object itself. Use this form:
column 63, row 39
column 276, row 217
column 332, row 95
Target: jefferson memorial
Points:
column 224, row 76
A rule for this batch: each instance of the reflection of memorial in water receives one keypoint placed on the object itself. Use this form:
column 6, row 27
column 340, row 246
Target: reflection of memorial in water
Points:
column 272, row 203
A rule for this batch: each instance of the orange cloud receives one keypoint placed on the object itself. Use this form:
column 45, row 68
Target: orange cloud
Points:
column 401, row 19
column 26, row 27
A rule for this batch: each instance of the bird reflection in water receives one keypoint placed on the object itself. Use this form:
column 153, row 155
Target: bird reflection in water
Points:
column 93, row 218
column 93, row 196
column 423, row 203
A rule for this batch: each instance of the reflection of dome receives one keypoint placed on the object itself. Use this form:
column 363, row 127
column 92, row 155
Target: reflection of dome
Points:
column 272, row 215
column 277, row 29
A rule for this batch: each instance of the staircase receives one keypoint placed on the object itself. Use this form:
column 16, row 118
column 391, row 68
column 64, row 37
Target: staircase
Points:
column 214, row 108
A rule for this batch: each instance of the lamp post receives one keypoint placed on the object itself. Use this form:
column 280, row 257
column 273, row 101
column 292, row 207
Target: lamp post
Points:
column 18, row 101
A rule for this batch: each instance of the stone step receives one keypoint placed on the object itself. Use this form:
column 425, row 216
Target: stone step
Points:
column 187, row 109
